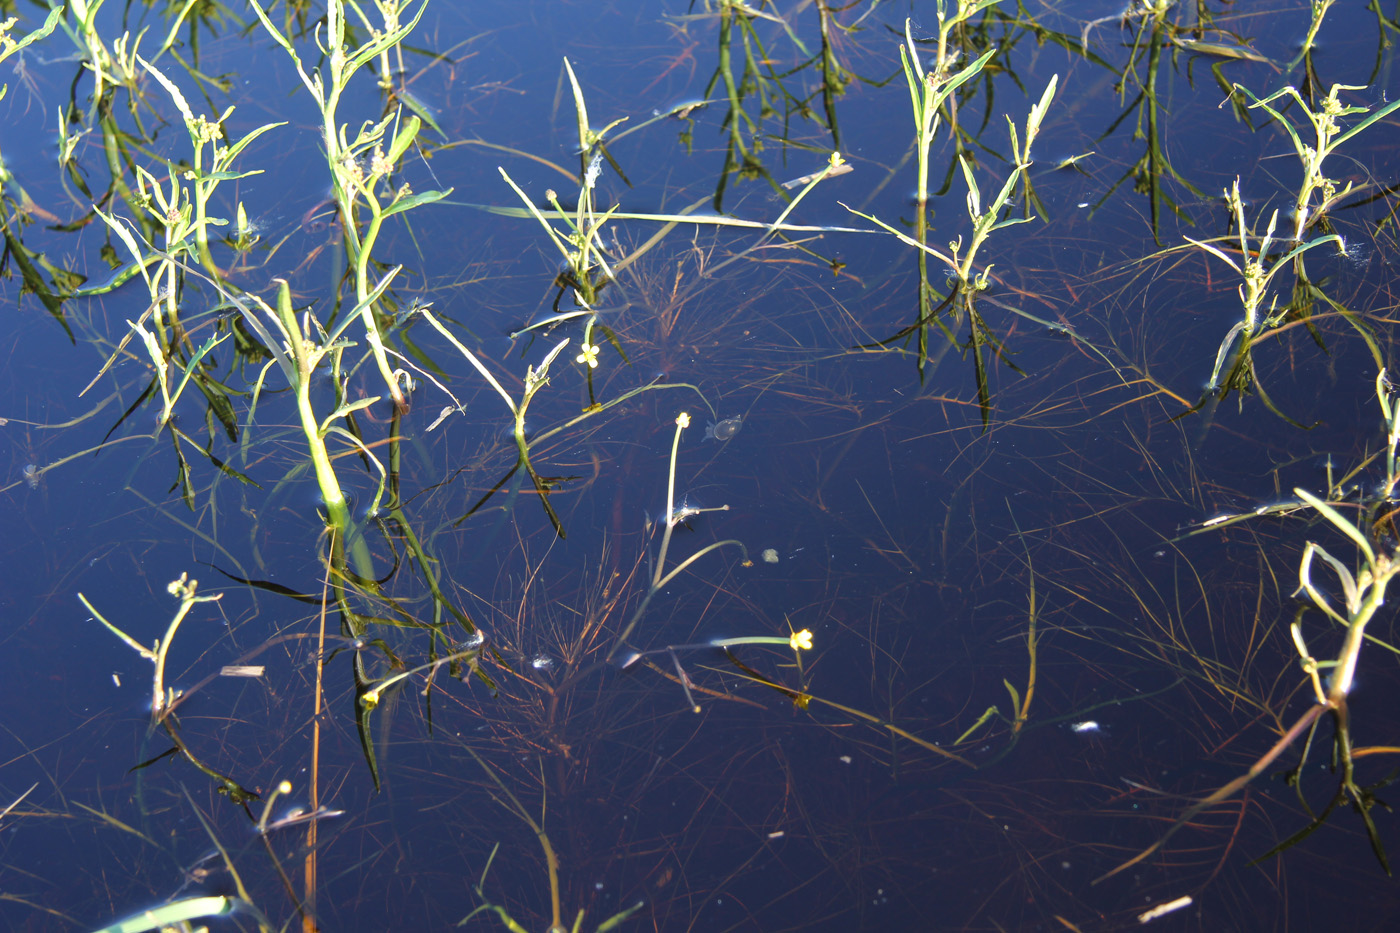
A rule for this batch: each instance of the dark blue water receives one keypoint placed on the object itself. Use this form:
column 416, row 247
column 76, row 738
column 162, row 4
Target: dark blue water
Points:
column 922, row 529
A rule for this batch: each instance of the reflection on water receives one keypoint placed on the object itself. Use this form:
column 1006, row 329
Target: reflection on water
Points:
column 976, row 619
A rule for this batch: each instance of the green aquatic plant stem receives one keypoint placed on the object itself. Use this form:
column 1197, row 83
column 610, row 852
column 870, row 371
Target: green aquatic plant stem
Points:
column 1253, row 290
column 707, row 220
column 660, row 577
column 551, row 858
column 88, row 39
column 1391, row 412
column 682, row 422
column 579, row 247
column 371, row 697
column 297, row 349
column 535, row 379
column 1363, row 594
column 354, row 180
column 187, row 591
column 299, row 355
column 162, row 362
column 352, row 186
column 1327, row 135
column 306, row 356
column 204, row 134
column 172, row 211
column 797, row 641
column 589, row 139
column 281, row 790
column 984, row 222
column 1319, row 12
column 930, row 89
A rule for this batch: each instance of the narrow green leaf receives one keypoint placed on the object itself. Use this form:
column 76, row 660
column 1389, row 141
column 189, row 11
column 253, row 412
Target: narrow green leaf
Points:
column 41, row 33
column 1349, row 588
column 346, row 409
column 1015, row 696
column 180, row 103
column 169, row 915
column 208, row 345
column 140, row 649
column 1341, row 524
column 1381, row 114
column 233, row 151
column 422, row 111
column 407, row 133
column 414, row 200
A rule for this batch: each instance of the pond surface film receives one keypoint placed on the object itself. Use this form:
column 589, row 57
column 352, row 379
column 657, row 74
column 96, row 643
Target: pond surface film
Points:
column 377, row 555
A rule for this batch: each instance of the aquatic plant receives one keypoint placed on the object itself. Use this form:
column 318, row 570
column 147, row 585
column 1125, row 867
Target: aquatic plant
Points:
column 513, row 804
column 10, row 46
column 754, row 91
column 941, row 557
column 186, row 590
column 1317, row 195
column 164, row 698
column 535, row 379
column 660, row 576
column 361, row 168
column 1234, row 362
column 960, row 259
column 1362, row 594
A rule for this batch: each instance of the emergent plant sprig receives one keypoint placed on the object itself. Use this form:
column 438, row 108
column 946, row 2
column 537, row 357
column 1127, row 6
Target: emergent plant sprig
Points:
column 358, row 167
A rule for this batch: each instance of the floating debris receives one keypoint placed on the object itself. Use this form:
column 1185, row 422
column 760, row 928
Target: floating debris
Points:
column 1162, row 910
column 442, row 416
column 1229, row 48
column 769, row 555
column 298, row 816
column 681, row 111
column 832, row 172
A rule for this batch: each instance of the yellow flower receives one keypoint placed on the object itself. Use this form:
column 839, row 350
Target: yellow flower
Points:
column 836, row 161
column 801, row 641
column 683, row 419
column 589, row 356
